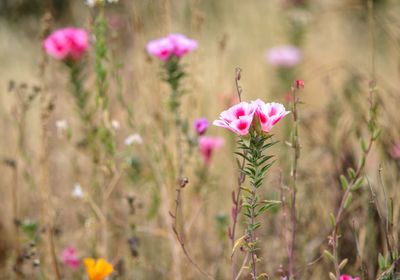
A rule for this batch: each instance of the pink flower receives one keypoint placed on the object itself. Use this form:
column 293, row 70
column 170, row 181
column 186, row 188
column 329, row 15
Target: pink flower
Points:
column 67, row 43
column 174, row 44
column 269, row 114
column 182, row 44
column 395, row 151
column 347, row 277
column 200, row 125
column 284, row 56
column 238, row 118
column 70, row 258
column 162, row 48
column 299, row 84
column 207, row 145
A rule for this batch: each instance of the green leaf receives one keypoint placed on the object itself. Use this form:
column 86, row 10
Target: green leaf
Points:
column 263, row 160
column 242, row 155
column 329, row 255
column 381, row 262
column 266, row 167
column 358, row 184
column 246, row 140
column 332, row 219
column 348, row 200
column 270, row 144
column 268, row 205
column 376, row 134
column 351, row 173
column 344, row 182
column 363, row 145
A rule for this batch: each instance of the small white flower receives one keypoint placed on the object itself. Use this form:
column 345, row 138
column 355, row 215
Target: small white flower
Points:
column 77, row 191
column 90, row 3
column 62, row 124
column 133, row 138
column 115, row 124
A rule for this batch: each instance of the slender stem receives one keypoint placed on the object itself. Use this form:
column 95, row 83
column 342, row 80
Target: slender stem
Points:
column 293, row 212
column 15, row 217
column 338, row 217
column 241, row 177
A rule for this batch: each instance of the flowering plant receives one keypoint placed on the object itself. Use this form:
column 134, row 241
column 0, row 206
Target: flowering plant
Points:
column 252, row 122
column 67, row 43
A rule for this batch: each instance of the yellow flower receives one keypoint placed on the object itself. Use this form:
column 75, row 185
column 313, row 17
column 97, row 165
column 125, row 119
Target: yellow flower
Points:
column 98, row 270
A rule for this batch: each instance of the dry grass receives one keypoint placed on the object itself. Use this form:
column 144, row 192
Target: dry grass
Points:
column 337, row 60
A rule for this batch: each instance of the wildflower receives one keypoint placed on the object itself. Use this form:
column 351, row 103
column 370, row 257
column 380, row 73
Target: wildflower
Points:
column 182, row 44
column 347, row 277
column 173, row 45
column 133, row 138
column 238, row 118
column 284, row 56
column 98, row 270
column 70, row 258
column 299, row 84
column 269, row 114
column 77, row 191
column 200, row 125
column 395, row 151
column 67, row 43
column 161, row 48
column 115, row 124
column 62, row 126
column 92, row 3
column 208, row 145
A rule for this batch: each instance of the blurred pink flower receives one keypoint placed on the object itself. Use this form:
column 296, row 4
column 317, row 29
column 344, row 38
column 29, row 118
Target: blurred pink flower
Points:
column 182, row 44
column 161, row 48
column 238, row 118
column 67, row 43
column 207, row 145
column 174, row 44
column 284, row 56
column 299, row 84
column 200, row 125
column 269, row 114
column 395, row 151
column 347, row 277
column 70, row 257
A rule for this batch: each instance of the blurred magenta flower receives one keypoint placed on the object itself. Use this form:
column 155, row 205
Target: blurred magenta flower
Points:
column 284, row 56
column 347, row 277
column 395, row 151
column 208, row 145
column 200, row 125
column 161, row 48
column 182, row 44
column 173, row 45
column 70, row 257
column 67, row 43
column 238, row 118
column 269, row 114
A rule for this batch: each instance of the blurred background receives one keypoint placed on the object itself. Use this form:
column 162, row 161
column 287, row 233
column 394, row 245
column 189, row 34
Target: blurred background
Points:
column 342, row 47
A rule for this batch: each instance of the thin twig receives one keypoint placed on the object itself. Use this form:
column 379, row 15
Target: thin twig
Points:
column 241, row 178
column 295, row 145
column 242, row 267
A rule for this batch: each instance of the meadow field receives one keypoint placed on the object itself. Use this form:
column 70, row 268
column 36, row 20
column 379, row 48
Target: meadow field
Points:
column 200, row 139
